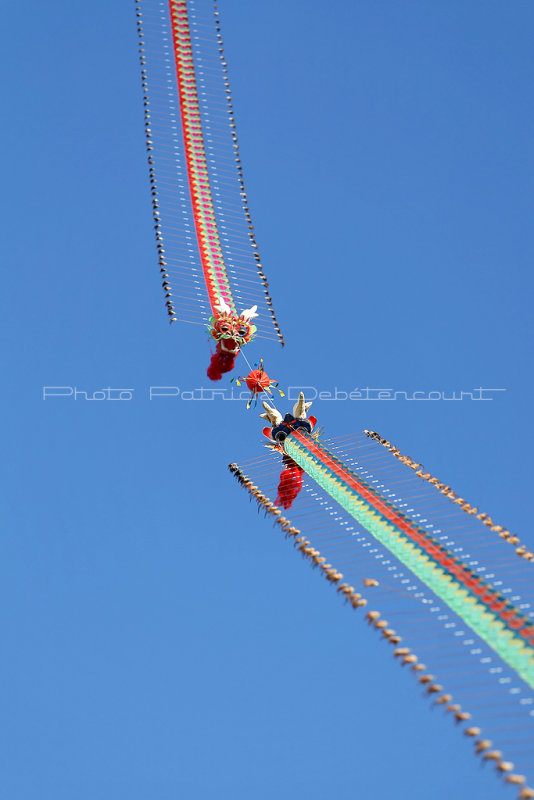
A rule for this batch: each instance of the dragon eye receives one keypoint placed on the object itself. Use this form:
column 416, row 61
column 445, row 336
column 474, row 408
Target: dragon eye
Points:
column 243, row 331
column 224, row 328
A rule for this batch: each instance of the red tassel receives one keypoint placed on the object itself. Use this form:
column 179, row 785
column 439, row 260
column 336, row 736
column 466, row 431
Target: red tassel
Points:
column 290, row 483
column 220, row 363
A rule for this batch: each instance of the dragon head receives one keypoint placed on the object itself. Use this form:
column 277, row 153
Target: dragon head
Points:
column 230, row 330
column 281, row 426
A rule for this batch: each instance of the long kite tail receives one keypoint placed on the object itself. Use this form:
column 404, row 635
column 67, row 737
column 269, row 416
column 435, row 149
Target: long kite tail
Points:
column 207, row 250
column 454, row 604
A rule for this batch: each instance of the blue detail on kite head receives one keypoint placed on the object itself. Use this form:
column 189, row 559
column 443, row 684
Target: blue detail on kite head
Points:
column 289, row 424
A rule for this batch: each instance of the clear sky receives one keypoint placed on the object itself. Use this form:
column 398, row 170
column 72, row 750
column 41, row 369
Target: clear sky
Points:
column 160, row 639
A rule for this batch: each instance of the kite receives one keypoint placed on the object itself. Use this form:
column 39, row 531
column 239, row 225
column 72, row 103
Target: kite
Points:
column 454, row 589
column 209, row 262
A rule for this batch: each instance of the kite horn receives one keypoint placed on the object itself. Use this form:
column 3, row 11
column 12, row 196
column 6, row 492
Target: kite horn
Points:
column 300, row 409
column 271, row 414
column 249, row 313
column 222, row 307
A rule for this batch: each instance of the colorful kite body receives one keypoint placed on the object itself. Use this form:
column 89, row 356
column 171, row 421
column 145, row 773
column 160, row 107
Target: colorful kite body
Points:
column 455, row 591
column 209, row 262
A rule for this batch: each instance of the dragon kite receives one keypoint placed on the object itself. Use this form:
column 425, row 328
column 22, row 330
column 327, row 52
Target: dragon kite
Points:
column 455, row 590
column 209, row 263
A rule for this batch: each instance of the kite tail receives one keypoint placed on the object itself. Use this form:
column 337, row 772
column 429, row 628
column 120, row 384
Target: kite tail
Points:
column 220, row 363
column 290, row 483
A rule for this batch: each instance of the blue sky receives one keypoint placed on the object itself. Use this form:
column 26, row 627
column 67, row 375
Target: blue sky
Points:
column 160, row 639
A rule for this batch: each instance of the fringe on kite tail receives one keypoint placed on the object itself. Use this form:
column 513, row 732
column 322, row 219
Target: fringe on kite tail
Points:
column 151, row 172
column 220, row 363
column 505, row 534
column 290, row 483
column 403, row 654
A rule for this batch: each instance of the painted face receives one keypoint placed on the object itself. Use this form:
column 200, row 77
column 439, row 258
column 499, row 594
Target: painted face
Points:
column 231, row 331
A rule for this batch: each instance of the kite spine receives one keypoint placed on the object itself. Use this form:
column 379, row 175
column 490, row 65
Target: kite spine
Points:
column 209, row 245
column 498, row 623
